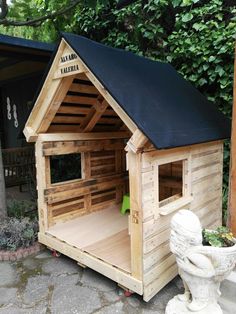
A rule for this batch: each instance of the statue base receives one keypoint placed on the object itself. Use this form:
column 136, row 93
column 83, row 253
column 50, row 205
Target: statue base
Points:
column 175, row 306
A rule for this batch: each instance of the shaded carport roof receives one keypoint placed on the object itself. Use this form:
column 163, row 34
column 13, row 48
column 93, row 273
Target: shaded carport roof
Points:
column 164, row 106
column 22, row 57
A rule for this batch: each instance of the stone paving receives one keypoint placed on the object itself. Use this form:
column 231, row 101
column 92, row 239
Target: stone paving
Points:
column 42, row 284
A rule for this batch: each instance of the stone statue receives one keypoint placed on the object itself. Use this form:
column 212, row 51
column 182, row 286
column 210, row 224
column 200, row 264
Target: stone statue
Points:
column 202, row 268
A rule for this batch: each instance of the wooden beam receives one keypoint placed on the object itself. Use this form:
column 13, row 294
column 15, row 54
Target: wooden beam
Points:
column 100, row 108
column 54, row 103
column 57, row 137
column 232, row 173
column 44, row 98
column 137, row 141
column 112, row 102
column 134, row 161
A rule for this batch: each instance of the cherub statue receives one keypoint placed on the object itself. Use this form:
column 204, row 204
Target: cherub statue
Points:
column 202, row 268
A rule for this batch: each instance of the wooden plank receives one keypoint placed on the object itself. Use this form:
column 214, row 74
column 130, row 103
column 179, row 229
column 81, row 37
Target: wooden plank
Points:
column 135, row 213
column 105, row 269
column 156, row 256
column 41, row 186
column 155, row 272
column 83, row 146
column 154, row 287
column 68, row 69
column 54, row 104
column 87, row 230
column 44, row 98
column 83, row 136
column 156, row 240
column 114, row 250
column 61, row 196
column 69, row 186
column 99, row 107
column 73, row 99
column 232, row 174
column 67, row 119
column 206, row 171
column 86, row 89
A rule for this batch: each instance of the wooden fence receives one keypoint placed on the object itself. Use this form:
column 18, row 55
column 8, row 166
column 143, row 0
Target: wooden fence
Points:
column 19, row 165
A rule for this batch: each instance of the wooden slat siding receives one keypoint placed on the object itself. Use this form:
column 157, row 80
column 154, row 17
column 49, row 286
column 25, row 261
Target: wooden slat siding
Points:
column 72, row 110
column 57, row 197
column 206, row 167
column 73, row 99
column 102, row 185
column 153, row 288
column 153, row 258
column 86, row 89
column 82, row 146
column 67, row 119
column 161, row 267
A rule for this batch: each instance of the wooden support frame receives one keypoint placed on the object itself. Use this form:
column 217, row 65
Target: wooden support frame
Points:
column 136, row 215
column 103, row 268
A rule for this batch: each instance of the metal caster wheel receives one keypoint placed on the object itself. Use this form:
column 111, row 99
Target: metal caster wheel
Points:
column 55, row 253
column 128, row 293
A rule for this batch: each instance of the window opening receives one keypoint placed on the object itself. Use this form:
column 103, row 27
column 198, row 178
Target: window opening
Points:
column 65, row 167
column 170, row 182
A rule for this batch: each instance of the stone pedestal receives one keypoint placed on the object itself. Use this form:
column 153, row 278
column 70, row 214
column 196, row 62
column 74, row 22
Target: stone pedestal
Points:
column 202, row 268
column 175, row 306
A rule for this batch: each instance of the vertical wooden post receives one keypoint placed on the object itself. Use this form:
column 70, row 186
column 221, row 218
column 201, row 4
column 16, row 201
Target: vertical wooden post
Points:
column 232, row 173
column 135, row 214
column 41, row 185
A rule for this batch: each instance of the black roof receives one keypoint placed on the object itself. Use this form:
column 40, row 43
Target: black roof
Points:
column 164, row 106
column 25, row 43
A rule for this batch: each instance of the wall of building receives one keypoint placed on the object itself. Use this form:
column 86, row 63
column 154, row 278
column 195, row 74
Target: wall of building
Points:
column 21, row 94
column 206, row 165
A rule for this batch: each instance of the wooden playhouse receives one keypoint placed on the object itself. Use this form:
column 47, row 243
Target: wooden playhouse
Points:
column 107, row 123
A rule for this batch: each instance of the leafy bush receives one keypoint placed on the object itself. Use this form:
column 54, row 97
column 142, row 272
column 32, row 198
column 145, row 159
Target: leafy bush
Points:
column 16, row 233
column 221, row 237
column 24, row 208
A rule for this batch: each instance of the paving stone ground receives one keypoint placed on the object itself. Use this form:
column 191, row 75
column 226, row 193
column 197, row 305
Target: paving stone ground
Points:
column 42, row 284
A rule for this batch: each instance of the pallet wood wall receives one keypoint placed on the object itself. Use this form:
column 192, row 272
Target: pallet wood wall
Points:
column 206, row 162
column 103, row 183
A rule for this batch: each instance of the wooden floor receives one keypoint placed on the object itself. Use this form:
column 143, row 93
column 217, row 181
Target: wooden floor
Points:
column 103, row 234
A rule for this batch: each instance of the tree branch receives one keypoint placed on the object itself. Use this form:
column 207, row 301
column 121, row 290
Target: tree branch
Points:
column 36, row 21
column 4, row 9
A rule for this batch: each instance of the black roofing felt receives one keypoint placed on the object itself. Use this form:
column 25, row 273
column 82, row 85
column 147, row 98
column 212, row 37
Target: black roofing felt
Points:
column 164, row 106
column 25, row 43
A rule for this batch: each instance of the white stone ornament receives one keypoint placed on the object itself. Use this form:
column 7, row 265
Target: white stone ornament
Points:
column 16, row 124
column 202, row 268
column 8, row 108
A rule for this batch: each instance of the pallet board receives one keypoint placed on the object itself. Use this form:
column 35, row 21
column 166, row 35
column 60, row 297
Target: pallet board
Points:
column 104, row 234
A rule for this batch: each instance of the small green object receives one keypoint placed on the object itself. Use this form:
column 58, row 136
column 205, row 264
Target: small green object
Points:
column 125, row 204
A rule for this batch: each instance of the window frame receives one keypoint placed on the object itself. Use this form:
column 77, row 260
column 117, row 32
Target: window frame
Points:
column 72, row 180
column 186, row 197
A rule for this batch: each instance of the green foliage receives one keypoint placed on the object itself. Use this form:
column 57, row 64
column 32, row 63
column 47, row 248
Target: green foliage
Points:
column 16, row 233
column 197, row 37
column 20, row 209
column 221, row 237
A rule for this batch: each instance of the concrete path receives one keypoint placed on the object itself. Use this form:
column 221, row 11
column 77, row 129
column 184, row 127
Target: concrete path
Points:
column 42, row 284
column 228, row 297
